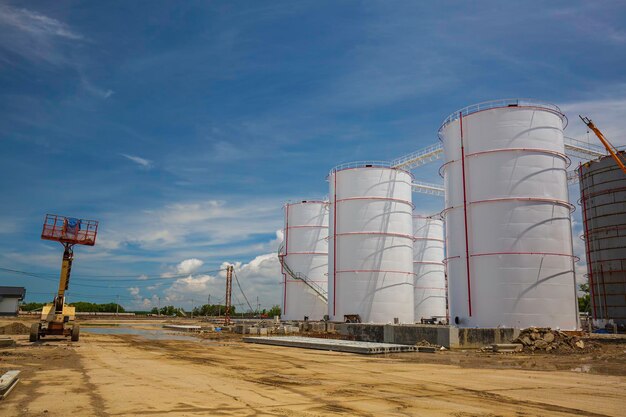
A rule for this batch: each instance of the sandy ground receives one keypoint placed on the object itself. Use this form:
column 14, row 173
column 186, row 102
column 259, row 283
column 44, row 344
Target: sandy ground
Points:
column 107, row 375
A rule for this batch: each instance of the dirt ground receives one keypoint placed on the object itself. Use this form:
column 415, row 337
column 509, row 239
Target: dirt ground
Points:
column 123, row 375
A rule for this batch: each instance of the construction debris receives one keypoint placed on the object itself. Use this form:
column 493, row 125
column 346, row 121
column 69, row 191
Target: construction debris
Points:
column 8, row 381
column 14, row 328
column 548, row 340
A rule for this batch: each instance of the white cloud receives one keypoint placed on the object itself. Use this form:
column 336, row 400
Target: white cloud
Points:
column 190, row 227
column 189, row 266
column 607, row 114
column 35, row 36
column 146, row 163
column 94, row 90
column 134, row 291
column 36, row 23
column 184, row 289
column 260, row 278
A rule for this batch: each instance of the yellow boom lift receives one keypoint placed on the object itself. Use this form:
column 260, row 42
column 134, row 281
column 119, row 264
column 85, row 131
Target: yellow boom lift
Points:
column 58, row 318
column 617, row 156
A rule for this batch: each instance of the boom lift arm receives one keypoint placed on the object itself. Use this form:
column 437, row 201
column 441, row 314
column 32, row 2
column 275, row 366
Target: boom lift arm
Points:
column 621, row 161
column 58, row 318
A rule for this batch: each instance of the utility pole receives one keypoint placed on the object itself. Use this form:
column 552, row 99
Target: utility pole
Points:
column 192, row 308
column 258, row 306
column 159, row 307
column 208, row 306
column 229, row 290
column 117, row 305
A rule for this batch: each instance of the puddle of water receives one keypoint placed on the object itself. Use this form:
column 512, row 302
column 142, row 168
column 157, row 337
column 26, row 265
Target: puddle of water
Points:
column 157, row 334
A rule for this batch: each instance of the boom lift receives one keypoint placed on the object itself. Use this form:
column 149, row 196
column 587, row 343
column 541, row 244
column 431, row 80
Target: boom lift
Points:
column 621, row 161
column 58, row 318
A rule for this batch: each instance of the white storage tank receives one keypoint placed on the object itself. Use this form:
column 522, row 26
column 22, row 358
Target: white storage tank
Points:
column 304, row 259
column 603, row 200
column 370, row 262
column 430, row 276
column 508, row 225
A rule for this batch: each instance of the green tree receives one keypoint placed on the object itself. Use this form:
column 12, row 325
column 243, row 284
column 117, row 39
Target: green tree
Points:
column 274, row 311
column 584, row 301
column 212, row 310
column 31, row 306
column 83, row 306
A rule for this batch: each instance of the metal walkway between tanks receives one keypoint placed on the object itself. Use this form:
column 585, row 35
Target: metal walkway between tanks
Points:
column 349, row 346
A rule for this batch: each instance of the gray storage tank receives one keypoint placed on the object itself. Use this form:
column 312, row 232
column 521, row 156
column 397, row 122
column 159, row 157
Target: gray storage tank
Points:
column 603, row 202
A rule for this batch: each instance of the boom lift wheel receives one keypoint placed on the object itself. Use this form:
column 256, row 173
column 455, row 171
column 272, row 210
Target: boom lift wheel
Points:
column 75, row 332
column 34, row 332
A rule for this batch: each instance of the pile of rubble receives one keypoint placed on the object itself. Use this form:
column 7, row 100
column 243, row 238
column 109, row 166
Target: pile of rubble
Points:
column 548, row 340
column 14, row 328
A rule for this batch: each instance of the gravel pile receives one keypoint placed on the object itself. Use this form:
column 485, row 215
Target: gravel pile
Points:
column 548, row 340
column 14, row 328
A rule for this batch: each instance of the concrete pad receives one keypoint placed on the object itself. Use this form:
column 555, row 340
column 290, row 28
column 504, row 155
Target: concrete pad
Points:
column 507, row 347
column 182, row 328
column 349, row 346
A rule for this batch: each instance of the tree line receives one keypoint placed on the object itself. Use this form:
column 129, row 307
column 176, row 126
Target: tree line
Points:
column 81, row 306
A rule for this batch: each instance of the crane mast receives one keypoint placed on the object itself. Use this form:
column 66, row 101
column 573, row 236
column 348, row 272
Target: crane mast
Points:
column 608, row 145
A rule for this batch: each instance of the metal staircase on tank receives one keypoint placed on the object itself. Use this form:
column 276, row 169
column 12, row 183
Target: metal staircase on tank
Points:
column 573, row 147
column 319, row 291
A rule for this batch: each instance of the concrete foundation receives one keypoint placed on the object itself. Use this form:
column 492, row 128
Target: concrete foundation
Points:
column 447, row 336
column 349, row 346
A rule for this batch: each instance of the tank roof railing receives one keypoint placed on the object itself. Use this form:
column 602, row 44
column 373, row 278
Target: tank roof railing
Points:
column 506, row 102
column 361, row 164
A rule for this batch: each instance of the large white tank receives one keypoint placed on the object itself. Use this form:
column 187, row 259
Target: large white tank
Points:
column 508, row 225
column 305, row 260
column 430, row 276
column 370, row 261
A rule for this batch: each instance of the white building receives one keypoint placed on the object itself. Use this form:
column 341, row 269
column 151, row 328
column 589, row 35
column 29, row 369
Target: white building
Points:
column 9, row 300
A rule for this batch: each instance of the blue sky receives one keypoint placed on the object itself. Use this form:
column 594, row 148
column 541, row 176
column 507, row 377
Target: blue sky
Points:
column 183, row 127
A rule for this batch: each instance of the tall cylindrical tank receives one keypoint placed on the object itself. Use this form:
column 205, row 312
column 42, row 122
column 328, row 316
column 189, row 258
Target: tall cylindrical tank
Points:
column 603, row 200
column 430, row 277
column 508, row 227
column 370, row 265
column 305, row 260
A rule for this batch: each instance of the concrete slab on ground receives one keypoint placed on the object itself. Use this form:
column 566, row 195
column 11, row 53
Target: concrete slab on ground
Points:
column 182, row 327
column 349, row 346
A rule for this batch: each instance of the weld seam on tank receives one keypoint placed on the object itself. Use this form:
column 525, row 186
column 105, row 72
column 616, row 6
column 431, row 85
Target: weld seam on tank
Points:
column 395, row 200
column 529, row 151
column 525, row 253
column 603, row 192
column 307, row 253
column 345, row 271
column 562, row 203
column 428, row 238
column 375, row 234
column 307, row 227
